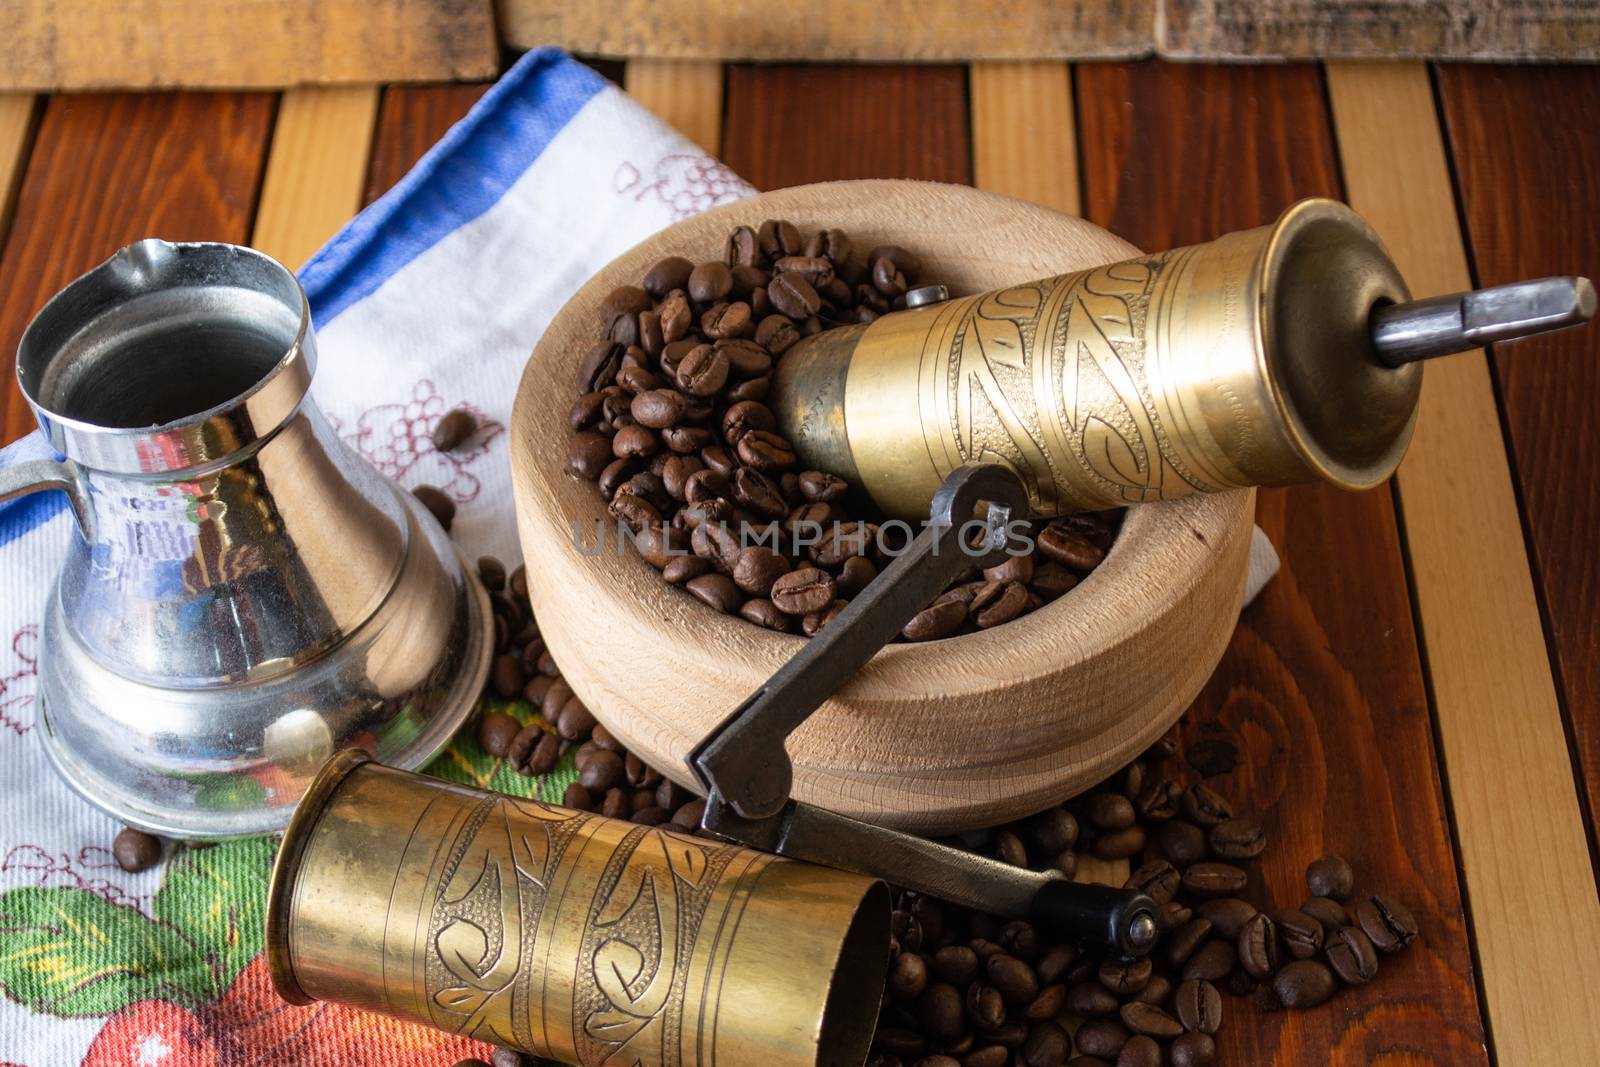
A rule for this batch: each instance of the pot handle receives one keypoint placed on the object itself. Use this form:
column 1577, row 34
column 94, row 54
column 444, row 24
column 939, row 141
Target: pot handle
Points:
column 38, row 474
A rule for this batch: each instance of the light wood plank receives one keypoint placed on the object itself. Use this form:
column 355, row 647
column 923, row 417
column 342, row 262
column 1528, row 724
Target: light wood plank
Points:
column 1024, row 140
column 687, row 94
column 317, row 169
column 1525, row 859
column 16, row 124
column 257, row 44
column 835, row 31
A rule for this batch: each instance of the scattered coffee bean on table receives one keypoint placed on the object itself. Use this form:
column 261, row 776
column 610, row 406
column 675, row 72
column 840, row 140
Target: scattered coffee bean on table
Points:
column 452, row 431
column 671, row 425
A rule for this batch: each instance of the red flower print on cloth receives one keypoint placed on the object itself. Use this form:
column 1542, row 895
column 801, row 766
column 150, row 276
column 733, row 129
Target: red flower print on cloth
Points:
column 687, row 184
column 20, row 681
column 397, row 438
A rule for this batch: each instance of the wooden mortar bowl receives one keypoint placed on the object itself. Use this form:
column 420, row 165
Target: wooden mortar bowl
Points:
column 939, row 737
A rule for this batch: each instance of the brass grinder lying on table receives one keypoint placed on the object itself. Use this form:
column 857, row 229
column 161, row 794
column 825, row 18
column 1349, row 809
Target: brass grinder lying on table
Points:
column 1268, row 357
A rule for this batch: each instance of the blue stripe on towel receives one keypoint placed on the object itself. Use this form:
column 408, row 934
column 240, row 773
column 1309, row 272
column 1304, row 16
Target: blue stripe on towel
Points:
column 23, row 514
column 460, row 178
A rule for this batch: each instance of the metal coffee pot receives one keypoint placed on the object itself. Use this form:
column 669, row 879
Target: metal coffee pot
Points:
column 244, row 594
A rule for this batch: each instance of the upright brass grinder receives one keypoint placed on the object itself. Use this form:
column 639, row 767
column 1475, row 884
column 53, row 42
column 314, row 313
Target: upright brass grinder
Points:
column 584, row 939
column 1245, row 361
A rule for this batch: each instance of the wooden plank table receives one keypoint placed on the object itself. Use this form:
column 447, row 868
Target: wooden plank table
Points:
column 1418, row 690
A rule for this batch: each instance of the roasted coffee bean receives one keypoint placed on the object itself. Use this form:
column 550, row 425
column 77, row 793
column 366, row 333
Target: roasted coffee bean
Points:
column 1198, row 1006
column 1238, row 839
column 575, row 721
column 1351, row 955
column 1182, row 842
column 1101, row 1037
column 956, row 964
column 528, row 755
column 1141, row 1050
column 1193, row 1050
column 1157, row 801
column 1330, row 913
column 687, row 818
column 985, row 1007
column 1211, row 879
column 666, row 275
column 758, row 492
column 1119, row 845
column 492, row 573
column 505, row 677
column 1258, row 947
column 577, row 798
column 776, row 333
column 941, row 1012
column 709, row 282
column 657, row 408
column 601, row 772
column 652, row 816
column 765, row 613
column 1021, row 939
column 935, row 622
column 779, row 237
column 1149, row 1019
column 1014, row 979
column 616, row 804
column 986, row 1056
column 1156, row 991
column 1158, row 879
column 758, row 567
column 742, row 248
column 1182, row 942
column 495, row 731
column 792, row 295
column 1050, row 832
column 1386, row 922
column 765, row 451
column 844, row 541
column 703, row 371
column 1109, row 811
column 1011, row 602
column 908, row 976
column 599, row 366
column 1303, row 984
column 746, row 359
column 1211, row 961
column 716, row 591
column 725, row 320
column 1330, row 877
column 636, row 441
column 1047, row 1045
column 897, row 1041
column 1174, row 914
column 1124, row 978
column 135, row 850
column 1008, row 848
column 1088, row 1061
column 1058, row 542
column 803, row 591
column 440, row 506
column 452, row 431
column 855, row 574
column 1047, row 1005
column 616, row 475
column 1090, row 998
column 1300, row 934
column 1204, row 806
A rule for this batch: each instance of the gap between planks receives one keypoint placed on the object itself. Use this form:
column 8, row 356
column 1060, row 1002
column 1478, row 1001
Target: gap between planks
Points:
column 316, row 169
column 1525, row 859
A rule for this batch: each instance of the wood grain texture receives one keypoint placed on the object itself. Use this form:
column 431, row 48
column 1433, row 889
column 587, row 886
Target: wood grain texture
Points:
column 687, row 94
column 18, row 112
column 795, row 125
column 182, row 166
column 244, row 44
column 316, row 170
column 1024, row 139
column 1320, row 693
column 1378, row 29
column 834, row 30
column 411, row 119
column 1524, row 154
column 910, row 741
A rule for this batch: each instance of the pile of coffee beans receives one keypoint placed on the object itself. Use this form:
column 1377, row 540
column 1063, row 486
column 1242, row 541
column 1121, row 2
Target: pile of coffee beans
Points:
column 670, row 426
column 967, row 989
column 611, row 780
column 970, row 990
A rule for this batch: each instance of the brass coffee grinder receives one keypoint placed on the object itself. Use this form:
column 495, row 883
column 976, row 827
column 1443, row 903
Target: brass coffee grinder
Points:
column 1278, row 355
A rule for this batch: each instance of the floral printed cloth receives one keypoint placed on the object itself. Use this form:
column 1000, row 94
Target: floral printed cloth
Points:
column 431, row 299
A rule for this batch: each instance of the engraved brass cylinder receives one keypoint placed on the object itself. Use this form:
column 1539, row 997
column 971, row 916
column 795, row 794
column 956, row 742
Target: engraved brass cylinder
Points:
column 1244, row 361
column 566, row 934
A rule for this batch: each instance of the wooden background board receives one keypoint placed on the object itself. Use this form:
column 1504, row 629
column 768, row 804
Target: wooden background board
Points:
column 1378, row 29
column 242, row 44
column 939, row 30
column 1326, row 691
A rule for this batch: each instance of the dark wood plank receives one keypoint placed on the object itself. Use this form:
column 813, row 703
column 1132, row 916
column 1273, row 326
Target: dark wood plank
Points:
column 411, row 119
column 1321, row 691
column 1525, row 151
column 107, row 169
column 790, row 125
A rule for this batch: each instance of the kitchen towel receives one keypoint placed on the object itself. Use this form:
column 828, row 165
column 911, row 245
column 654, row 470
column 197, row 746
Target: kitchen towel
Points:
column 430, row 299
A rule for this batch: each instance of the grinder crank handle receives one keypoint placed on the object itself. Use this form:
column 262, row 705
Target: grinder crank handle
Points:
column 743, row 760
column 1120, row 922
